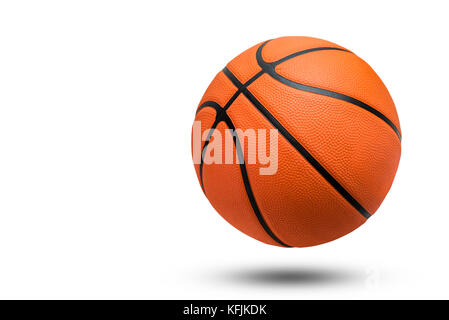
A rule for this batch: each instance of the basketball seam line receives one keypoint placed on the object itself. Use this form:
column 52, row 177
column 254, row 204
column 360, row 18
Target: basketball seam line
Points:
column 295, row 143
column 269, row 67
column 299, row 53
column 247, row 184
column 222, row 116
column 218, row 108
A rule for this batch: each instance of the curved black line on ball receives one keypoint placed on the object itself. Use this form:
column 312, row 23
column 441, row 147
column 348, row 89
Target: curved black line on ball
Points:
column 239, row 91
column 299, row 53
column 222, row 116
column 219, row 110
column 247, row 184
column 209, row 104
column 270, row 69
column 282, row 130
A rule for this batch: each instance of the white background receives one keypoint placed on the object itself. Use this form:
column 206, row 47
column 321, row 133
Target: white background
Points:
column 98, row 195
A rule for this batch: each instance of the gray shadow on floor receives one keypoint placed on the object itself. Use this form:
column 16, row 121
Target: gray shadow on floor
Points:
column 292, row 276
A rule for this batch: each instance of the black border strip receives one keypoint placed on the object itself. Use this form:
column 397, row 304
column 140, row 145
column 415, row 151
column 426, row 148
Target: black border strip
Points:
column 324, row 173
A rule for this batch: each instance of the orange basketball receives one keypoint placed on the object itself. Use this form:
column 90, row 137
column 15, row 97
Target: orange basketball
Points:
column 331, row 127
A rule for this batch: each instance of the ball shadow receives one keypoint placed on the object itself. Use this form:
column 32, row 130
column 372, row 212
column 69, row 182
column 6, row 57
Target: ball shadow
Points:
column 292, row 276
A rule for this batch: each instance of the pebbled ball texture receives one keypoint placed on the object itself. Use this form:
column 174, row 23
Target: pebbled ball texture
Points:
column 338, row 147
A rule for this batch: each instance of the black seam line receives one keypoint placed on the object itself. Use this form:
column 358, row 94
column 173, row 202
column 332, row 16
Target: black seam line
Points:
column 293, row 55
column 217, row 107
column 210, row 104
column 218, row 118
column 247, row 184
column 321, row 170
column 239, row 91
column 270, row 69
column 203, row 151
column 223, row 116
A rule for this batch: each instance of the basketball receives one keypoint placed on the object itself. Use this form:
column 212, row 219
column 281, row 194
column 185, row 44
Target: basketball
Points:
column 296, row 142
